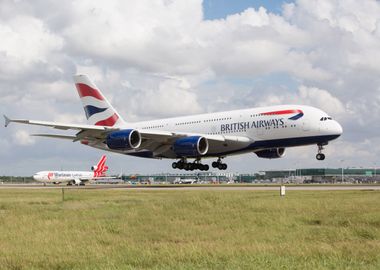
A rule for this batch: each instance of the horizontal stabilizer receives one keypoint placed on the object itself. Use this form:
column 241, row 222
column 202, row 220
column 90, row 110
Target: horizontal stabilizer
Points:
column 7, row 120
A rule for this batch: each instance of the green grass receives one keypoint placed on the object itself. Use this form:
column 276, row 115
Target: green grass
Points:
column 178, row 229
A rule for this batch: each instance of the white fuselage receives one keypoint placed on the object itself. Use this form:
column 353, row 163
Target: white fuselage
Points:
column 62, row 176
column 258, row 128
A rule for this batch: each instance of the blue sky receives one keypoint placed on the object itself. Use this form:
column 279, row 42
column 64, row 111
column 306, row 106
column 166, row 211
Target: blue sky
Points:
column 219, row 9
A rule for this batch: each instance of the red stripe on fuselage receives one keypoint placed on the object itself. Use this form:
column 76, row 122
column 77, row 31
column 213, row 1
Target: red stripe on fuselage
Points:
column 109, row 122
column 86, row 91
column 282, row 112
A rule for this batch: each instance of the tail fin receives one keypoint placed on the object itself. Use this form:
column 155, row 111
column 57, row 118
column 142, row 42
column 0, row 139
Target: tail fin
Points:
column 100, row 168
column 98, row 110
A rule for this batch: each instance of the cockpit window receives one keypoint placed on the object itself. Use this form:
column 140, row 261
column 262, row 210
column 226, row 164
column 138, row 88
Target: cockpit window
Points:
column 325, row 118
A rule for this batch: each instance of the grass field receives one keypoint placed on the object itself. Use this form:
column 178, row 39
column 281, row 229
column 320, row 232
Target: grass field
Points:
column 137, row 229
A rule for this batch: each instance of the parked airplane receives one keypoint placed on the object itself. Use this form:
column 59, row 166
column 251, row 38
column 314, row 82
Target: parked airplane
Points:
column 74, row 177
column 266, row 131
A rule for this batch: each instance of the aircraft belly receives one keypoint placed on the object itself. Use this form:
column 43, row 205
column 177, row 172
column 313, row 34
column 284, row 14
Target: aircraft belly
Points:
column 221, row 147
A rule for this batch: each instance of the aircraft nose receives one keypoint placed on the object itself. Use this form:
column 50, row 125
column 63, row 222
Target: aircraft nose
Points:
column 35, row 177
column 338, row 128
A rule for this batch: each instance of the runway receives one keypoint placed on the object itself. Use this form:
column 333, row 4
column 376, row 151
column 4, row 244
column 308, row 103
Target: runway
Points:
column 197, row 187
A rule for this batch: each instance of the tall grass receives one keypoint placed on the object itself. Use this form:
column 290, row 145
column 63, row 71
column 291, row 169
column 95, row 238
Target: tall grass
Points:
column 137, row 229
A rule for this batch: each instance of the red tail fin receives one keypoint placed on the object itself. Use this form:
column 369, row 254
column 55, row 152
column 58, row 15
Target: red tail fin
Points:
column 101, row 168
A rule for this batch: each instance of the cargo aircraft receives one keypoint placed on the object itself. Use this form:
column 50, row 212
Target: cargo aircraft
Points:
column 98, row 171
column 265, row 131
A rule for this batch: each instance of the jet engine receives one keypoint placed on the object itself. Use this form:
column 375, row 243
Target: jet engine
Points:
column 193, row 146
column 123, row 139
column 77, row 181
column 271, row 153
column 93, row 168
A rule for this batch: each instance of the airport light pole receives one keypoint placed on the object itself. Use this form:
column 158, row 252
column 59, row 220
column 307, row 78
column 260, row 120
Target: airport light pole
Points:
column 374, row 168
column 342, row 170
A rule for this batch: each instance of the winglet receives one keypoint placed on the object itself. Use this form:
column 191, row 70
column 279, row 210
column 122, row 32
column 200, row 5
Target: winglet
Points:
column 7, row 120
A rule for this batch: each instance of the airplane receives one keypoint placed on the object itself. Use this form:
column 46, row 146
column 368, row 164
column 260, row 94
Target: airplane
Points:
column 74, row 177
column 265, row 131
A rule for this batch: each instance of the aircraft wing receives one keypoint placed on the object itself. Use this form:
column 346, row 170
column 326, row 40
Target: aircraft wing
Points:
column 169, row 137
column 160, row 142
column 55, row 125
column 156, row 141
column 98, row 178
column 56, row 136
column 90, row 132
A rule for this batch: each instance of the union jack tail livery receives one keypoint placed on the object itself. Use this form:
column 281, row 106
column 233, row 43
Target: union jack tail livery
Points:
column 98, row 110
column 100, row 168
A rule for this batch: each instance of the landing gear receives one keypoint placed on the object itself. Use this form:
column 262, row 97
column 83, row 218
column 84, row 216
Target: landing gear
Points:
column 320, row 155
column 218, row 164
column 183, row 164
column 187, row 166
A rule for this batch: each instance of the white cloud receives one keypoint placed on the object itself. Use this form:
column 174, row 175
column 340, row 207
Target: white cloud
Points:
column 321, row 99
column 22, row 137
column 312, row 96
column 172, row 97
column 25, row 42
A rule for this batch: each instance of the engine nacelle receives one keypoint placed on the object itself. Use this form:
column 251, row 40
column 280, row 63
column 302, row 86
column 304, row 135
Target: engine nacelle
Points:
column 77, row 181
column 271, row 153
column 193, row 146
column 94, row 168
column 124, row 139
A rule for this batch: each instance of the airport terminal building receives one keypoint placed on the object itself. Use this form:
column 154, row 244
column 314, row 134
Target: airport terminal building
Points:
column 306, row 175
column 324, row 175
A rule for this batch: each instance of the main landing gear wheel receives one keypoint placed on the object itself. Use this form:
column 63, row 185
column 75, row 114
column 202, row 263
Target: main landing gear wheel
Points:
column 218, row 164
column 184, row 165
column 320, row 156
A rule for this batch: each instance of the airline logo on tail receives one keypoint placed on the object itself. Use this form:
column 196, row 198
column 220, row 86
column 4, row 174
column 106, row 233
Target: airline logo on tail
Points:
column 98, row 110
column 101, row 168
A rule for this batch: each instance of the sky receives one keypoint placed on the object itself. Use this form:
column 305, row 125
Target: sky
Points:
column 167, row 58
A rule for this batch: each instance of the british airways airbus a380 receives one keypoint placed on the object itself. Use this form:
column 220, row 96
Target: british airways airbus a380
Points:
column 266, row 131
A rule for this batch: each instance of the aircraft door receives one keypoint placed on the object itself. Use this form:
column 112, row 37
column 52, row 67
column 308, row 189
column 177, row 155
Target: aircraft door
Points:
column 305, row 126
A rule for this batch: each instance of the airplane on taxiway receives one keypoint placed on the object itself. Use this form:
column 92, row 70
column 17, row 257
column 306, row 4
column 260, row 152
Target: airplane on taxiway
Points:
column 265, row 131
column 74, row 177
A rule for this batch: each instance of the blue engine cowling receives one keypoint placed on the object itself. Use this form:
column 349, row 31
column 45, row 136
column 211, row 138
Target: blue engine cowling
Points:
column 271, row 153
column 123, row 139
column 193, row 146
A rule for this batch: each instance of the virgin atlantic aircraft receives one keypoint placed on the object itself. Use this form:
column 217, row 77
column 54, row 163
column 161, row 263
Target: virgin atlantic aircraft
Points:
column 265, row 131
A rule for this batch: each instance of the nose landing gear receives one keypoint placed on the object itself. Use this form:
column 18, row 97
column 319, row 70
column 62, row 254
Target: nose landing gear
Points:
column 320, row 155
